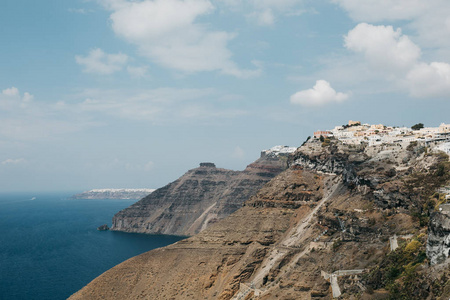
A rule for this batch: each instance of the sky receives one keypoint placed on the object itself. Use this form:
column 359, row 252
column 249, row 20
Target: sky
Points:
column 132, row 94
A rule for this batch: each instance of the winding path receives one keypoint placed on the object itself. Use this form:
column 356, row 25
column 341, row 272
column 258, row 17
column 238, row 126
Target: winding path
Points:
column 283, row 248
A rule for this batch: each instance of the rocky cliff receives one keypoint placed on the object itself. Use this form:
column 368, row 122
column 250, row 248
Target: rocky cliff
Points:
column 200, row 197
column 438, row 244
column 341, row 221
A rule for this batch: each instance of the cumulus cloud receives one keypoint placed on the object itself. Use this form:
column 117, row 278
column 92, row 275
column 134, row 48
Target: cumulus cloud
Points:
column 97, row 61
column 167, row 33
column 397, row 58
column 27, row 97
column 429, row 80
column 384, row 47
column 11, row 98
column 11, row 161
column 428, row 19
column 136, row 21
column 11, row 92
column 322, row 93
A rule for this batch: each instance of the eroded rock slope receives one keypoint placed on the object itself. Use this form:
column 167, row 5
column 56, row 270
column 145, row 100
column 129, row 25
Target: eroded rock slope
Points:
column 199, row 198
column 341, row 221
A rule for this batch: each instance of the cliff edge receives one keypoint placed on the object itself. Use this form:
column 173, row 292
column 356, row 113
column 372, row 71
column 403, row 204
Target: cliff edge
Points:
column 200, row 197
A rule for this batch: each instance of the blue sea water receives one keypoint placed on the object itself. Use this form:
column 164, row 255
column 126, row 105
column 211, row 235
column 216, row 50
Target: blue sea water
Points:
column 50, row 246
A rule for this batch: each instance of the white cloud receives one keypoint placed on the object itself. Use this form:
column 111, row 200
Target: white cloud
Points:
column 384, row 47
column 428, row 19
column 11, row 161
column 167, row 33
column 27, row 97
column 11, row 98
column 11, row 92
column 264, row 17
column 429, row 80
column 23, row 119
column 161, row 105
column 41, row 120
column 322, row 93
column 136, row 21
column 395, row 57
column 137, row 72
column 97, row 61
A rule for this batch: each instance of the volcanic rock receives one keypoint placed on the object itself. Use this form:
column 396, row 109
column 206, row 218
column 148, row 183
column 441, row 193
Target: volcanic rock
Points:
column 103, row 227
column 199, row 198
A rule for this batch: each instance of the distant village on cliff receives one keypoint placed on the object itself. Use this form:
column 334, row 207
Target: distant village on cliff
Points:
column 355, row 133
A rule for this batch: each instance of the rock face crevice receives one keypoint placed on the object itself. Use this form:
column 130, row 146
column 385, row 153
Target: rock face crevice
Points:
column 331, row 160
column 198, row 199
column 438, row 244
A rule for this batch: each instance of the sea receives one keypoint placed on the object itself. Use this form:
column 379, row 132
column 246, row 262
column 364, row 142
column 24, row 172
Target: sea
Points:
column 50, row 246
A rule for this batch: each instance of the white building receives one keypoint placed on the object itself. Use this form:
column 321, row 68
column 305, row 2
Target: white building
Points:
column 400, row 131
column 278, row 151
column 431, row 131
column 444, row 128
column 375, row 140
column 358, row 133
column 343, row 134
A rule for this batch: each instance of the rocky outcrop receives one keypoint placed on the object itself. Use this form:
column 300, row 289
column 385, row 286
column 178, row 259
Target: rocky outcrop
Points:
column 125, row 194
column 335, row 159
column 438, row 244
column 103, row 227
column 197, row 199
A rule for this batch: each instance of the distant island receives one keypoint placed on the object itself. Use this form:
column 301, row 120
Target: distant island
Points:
column 125, row 194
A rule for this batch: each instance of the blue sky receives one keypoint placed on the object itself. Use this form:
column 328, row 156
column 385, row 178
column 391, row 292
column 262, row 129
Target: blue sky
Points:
column 121, row 93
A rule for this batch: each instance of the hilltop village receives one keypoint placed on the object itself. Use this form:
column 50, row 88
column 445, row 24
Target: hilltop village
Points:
column 355, row 133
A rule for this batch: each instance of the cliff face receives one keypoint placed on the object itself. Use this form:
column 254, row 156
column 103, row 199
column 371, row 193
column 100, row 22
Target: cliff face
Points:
column 438, row 245
column 339, row 222
column 199, row 198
